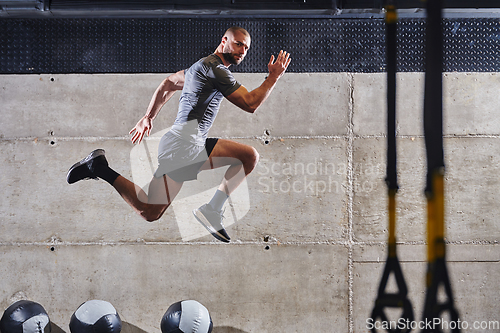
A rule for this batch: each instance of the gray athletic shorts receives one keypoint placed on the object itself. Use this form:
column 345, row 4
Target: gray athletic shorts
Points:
column 181, row 160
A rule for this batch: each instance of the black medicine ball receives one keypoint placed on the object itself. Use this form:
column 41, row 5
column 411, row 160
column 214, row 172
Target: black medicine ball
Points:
column 25, row 317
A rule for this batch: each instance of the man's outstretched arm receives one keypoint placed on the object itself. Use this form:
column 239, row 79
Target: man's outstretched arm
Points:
column 250, row 101
column 163, row 93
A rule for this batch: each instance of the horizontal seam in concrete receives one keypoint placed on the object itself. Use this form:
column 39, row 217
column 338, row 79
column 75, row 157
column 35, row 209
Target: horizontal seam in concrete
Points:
column 237, row 243
column 66, row 138
column 425, row 261
column 127, row 138
column 469, row 242
column 273, row 243
column 270, row 138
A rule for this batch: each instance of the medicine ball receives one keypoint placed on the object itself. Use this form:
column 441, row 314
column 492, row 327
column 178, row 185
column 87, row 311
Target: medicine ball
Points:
column 95, row 317
column 186, row 317
column 25, row 317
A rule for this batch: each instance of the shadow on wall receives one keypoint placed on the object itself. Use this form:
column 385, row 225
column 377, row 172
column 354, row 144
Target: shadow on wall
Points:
column 126, row 328
column 226, row 329
column 129, row 328
column 55, row 329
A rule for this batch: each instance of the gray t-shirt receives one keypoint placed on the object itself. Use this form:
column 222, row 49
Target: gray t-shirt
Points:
column 206, row 83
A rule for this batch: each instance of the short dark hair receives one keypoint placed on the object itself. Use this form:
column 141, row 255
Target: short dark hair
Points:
column 239, row 29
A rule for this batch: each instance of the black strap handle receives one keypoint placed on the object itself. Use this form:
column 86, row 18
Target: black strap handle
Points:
column 437, row 274
column 397, row 299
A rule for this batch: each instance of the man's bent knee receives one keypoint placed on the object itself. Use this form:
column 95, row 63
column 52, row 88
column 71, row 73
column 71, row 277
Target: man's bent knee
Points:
column 252, row 160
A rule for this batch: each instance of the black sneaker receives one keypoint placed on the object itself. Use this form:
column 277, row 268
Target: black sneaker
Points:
column 212, row 221
column 85, row 168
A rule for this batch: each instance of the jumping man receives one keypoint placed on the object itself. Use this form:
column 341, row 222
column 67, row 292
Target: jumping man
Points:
column 185, row 149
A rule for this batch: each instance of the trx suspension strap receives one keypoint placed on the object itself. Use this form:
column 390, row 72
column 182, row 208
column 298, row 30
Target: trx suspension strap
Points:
column 437, row 275
column 385, row 299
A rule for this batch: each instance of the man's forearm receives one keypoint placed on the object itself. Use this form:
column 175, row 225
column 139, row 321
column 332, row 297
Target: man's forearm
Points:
column 160, row 97
column 259, row 95
column 164, row 92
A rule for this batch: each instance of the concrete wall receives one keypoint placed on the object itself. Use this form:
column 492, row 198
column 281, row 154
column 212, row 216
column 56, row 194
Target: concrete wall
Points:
column 308, row 226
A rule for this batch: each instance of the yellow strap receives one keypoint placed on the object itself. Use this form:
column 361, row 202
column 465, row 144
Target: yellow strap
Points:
column 439, row 198
column 390, row 15
column 435, row 219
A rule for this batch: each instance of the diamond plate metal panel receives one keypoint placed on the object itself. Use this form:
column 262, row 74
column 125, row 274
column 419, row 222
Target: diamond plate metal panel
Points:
column 472, row 45
column 158, row 45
